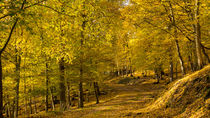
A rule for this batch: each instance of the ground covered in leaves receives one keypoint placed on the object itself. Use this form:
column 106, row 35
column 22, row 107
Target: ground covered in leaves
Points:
column 142, row 98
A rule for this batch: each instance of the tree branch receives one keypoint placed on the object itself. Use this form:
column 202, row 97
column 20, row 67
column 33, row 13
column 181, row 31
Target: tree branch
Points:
column 12, row 14
column 13, row 27
column 173, row 35
column 55, row 10
column 158, row 27
column 191, row 39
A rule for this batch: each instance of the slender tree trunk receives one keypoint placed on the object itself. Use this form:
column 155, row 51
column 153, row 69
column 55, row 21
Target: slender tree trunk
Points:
column 1, row 90
column 206, row 55
column 7, row 107
column 191, row 63
column 52, row 99
column 47, row 88
column 13, row 109
column 180, row 57
column 126, row 69
column 18, row 61
column 194, row 48
column 62, row 86
column 176, row 41
column 6, row 112
column 24, row 88
column 88, row 96
column 68, row 95
column 118, row 70
column 130, row 67
column 25, row 99
column 158, row 79
column 192, row 19
column 116, row 59
column 30, row 102
column 198, row 34
column 123, row 71
column 81, row 96
column 171, row 67
column 96, row 92
column 10, row 111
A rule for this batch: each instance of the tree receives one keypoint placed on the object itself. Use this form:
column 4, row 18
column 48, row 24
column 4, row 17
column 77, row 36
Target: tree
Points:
column 198, row 34
column 1, row 51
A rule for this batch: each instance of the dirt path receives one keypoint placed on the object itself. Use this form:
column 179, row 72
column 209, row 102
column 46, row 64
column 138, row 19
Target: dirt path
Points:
column 127, row 99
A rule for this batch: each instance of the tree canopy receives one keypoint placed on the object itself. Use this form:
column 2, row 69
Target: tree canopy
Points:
column 56, row 49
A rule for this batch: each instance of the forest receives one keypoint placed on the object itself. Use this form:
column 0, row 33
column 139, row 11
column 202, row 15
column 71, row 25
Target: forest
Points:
column 104, row 58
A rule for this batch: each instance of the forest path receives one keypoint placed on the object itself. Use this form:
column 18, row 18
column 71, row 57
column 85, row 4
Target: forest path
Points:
column 127, row 98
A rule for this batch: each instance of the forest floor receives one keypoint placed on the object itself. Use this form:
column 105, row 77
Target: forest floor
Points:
column 188, row 97
column 125, row 99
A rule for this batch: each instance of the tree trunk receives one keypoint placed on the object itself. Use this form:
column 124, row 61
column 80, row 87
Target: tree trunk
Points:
column 62, row 86
column 126, row 69
column 180, row 57
column 81, row 98
column 205, row 54
column 10, row 111
column 88, row 96
column 191, row 63
column 195, row 62
column 68, row 96
column 13, row 109
column 47, row 82
column 117, row 64
column 1, row 74
column 1, row 90
column 1, row 51
column 30, row 102
column 131, row 72
column 176, row 41
column 198, row 35
column 96, row 92
column 7, row 114
column 123, row 71
column 17, row 71
column 25, row 99
column 52, row 98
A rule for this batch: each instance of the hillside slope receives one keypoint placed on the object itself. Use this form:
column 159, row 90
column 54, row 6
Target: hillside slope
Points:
column 187, row 97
